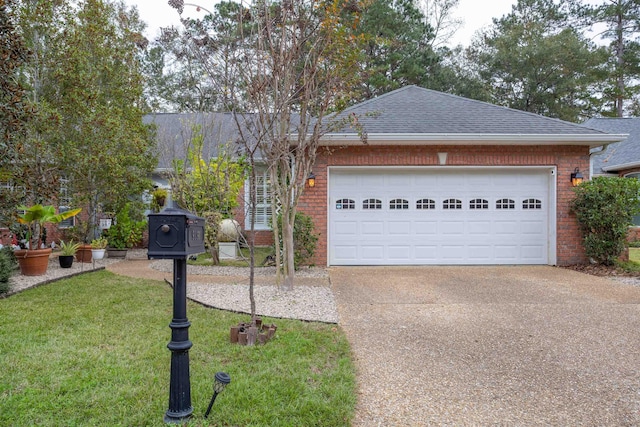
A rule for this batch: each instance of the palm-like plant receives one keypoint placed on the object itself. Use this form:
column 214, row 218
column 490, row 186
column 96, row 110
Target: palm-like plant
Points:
column 36, row 217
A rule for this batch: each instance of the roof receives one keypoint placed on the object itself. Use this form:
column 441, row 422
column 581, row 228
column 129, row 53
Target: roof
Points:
column 620, row 155
column 412, row 114
column 174, row 132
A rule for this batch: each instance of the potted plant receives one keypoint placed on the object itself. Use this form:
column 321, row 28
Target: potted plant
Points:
column 68, row 250
column 98, row 247
column 124, row 233
column 34, row 259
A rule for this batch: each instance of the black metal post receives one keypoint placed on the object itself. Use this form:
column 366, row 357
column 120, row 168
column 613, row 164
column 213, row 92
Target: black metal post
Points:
column 180, row 387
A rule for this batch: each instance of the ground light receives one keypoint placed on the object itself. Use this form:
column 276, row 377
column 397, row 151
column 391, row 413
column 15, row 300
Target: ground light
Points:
column 222, row 380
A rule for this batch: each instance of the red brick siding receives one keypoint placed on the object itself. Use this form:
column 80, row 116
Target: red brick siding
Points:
column 565, row 158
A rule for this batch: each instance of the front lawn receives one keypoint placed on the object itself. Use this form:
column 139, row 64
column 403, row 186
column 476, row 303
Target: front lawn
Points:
column 91, row 350
column 260, row 254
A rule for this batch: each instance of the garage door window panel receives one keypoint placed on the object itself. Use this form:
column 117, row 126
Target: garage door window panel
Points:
column 479, row 204
column 504, row 204
column 371, row 204
column 426, row 204
column 532, row 204
column 452, row 204
column 345, row 204
column 399, row 204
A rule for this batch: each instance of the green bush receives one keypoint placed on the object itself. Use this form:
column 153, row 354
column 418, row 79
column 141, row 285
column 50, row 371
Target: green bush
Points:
column 605, row 208
column 8, row 265
column 125, row 233
column 304, row 239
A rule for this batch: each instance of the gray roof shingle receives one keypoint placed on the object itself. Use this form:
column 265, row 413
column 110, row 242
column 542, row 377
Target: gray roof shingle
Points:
column 415, row 110
column 620, row 153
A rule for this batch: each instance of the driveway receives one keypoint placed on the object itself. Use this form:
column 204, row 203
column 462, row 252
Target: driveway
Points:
column 491, row 346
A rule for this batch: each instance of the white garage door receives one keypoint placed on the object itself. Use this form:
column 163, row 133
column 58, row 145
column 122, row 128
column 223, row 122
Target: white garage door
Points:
column 435, row 216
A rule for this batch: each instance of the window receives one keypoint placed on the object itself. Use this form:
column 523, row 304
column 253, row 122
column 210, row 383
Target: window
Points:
column 65, row 204
column 372, row 204
column 479, row 204
column 505, row 204
column 531, row 204
column 425, row 204
column 452, row 204
column 345, row 204
column 399, row 204
column 263, row 201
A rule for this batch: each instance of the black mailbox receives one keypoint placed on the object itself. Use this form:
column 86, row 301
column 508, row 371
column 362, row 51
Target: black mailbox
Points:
column 174, row 234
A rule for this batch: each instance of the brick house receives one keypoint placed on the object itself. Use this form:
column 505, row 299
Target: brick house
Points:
column 445, row 180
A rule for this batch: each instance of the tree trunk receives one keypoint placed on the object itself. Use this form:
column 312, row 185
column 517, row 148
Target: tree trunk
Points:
column 289, row 260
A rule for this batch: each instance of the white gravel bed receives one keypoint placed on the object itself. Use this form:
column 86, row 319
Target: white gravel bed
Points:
column 18, row 282
column 313, row 303
column 635, row 281
column 217, row 270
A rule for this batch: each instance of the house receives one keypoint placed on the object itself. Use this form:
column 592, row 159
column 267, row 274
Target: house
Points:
column 442, row 179
column 620, row 158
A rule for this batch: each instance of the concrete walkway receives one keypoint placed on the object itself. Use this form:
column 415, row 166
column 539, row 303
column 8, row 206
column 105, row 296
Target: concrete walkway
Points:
column 491, row 346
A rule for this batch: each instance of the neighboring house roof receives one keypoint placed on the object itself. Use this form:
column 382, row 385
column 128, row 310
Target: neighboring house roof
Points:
column 412, row 114
column 620, row 155
column 174, row 132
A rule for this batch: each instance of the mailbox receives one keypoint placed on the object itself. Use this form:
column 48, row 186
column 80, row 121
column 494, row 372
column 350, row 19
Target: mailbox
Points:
column 175, row 234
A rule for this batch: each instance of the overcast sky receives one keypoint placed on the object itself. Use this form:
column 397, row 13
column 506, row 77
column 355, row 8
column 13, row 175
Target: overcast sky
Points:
column 475, row 13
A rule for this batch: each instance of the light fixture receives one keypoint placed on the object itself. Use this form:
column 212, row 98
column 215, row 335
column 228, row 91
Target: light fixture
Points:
column 311, row 180
column 576, row 177
column 221, row 381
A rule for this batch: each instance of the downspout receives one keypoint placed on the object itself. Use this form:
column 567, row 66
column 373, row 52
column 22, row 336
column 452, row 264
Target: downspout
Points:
column 597, row 153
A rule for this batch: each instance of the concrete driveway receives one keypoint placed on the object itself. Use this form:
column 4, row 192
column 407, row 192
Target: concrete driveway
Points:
column 491, row 346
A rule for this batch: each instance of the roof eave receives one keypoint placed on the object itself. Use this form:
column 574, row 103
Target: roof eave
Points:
column 470, row 139
column 623, row 166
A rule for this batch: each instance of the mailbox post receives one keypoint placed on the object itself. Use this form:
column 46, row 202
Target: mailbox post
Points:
column 175, row 234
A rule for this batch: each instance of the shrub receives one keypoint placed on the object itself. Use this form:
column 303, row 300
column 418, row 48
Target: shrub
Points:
column 304, row 239
column 605, row 208
column 125, row 233
column 8, row 265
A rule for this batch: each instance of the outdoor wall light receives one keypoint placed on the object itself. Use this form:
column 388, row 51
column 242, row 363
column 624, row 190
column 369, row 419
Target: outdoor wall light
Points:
column 222, row 380
column 576, row 177
column 311, row 180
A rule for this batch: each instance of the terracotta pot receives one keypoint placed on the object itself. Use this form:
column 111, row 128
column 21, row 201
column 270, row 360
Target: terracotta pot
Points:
column 33, row 262
column 83, row 254
column 66, row 261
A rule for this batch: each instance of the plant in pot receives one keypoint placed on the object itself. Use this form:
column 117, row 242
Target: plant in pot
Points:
column 67, row 252
column 34, row 259
column 98, row 247
column 80, row 233
column 123, row 234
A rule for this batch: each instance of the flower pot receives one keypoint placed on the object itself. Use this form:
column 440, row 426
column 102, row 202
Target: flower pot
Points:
column 98, row 253
column 83, row 254
column 116, row 253
column 33, row 262
column 66, row 261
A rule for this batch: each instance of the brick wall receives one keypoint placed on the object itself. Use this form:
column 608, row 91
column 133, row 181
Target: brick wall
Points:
column 565, row 158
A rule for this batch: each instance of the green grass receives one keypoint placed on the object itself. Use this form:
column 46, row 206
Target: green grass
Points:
column 91, row 350
column 634, row 255
column 261, row 253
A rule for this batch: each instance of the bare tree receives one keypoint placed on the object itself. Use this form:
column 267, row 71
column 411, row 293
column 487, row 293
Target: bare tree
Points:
column 297, row 63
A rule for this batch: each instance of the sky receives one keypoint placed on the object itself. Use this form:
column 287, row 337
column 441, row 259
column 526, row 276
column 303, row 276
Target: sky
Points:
column 475, row 13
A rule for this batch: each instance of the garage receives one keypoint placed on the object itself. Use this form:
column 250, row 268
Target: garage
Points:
column 440, row 216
